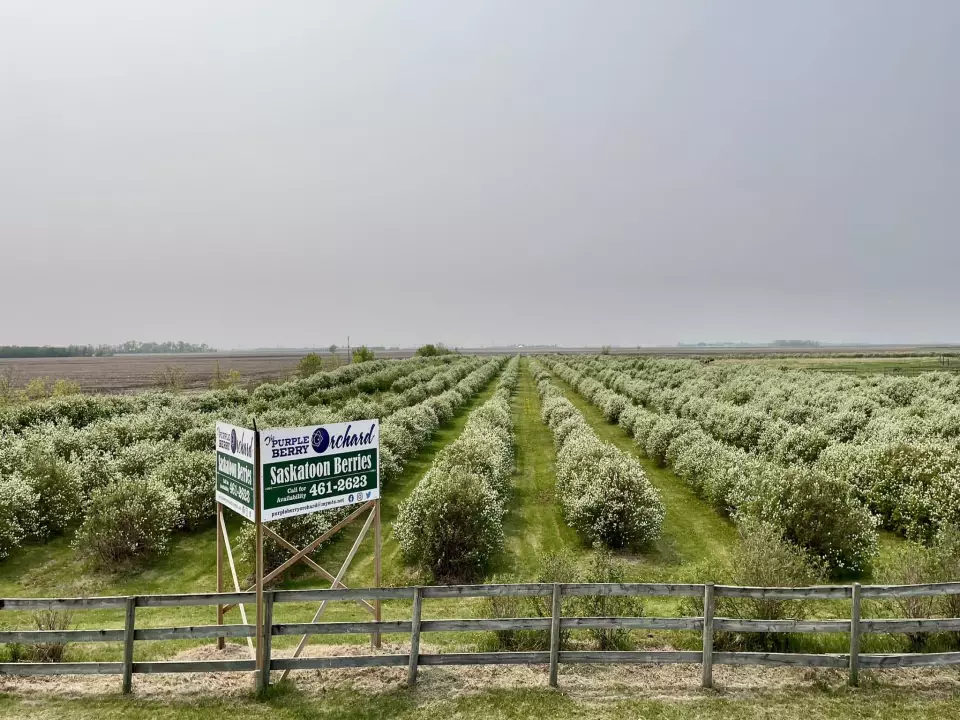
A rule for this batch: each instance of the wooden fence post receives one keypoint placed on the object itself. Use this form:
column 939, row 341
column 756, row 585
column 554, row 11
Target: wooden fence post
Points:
column 221, row 642
column 708, row 608
column 377, row 566
column 555, row 613
column 129, row 629
column 415, row 636
column 855, row 636
column 266, row 639
column 258, row 570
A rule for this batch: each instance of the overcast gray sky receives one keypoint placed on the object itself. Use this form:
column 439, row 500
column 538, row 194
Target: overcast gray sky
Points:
column 263, row 173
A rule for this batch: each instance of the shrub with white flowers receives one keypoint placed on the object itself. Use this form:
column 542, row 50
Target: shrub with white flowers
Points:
column 192, row 478
column 127, row 521
column 604, row 493
column 822, row 512
column 56, row 485
column 17, row 502
column 65, row 458
column 814, row 511
column 452, row 523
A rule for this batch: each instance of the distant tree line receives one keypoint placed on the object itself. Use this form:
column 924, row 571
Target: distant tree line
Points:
column 797, row 343
column 131, row 346
column 775, row 343
column 134, row 346
column 432, row 350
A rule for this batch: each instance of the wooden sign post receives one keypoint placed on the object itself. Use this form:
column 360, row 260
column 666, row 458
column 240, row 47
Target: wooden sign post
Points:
column 237, row 477
column 262, row 671
column 377, row 539
column 310, row 469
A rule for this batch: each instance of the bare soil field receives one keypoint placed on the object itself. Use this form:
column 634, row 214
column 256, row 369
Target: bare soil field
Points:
column 136, row 373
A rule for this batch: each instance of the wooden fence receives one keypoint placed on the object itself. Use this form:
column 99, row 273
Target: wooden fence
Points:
column 854, row 661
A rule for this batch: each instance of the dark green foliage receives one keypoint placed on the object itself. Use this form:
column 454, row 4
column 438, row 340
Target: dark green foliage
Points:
column 763, row 559
column 431, row 350
column 604, row 568
column 129, row 520
column 363, row 354
column 309, row 365
column 552, row 567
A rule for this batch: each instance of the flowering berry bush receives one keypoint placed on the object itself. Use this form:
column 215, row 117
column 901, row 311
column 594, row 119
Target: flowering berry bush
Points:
column 69, row 462
column 452, row 523
column 604, row 492
column 809, row 453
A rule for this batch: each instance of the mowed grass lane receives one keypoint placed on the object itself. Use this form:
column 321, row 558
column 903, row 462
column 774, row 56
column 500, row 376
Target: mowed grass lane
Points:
column 534, row 524
column 53, row 570
column 394, row 571
column 693, row 532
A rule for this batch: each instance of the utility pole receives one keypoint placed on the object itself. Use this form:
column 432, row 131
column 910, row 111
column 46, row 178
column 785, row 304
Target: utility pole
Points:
column 349, row 355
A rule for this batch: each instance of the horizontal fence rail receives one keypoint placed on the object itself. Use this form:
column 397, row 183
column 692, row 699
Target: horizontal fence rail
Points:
column 707, row 625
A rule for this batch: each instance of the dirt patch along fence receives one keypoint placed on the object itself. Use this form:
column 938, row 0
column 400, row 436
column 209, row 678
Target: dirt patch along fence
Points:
column 707, row 625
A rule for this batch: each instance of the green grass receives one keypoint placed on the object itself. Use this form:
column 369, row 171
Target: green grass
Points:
column 693, row 532
column 288, row 703
column 53, row 569
column 534, row 524
column 394, row 571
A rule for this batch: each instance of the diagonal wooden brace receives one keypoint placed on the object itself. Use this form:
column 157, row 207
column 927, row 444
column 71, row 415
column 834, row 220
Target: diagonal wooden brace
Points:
column 222, row 527
column 290, row 546
column 336, row 583
column 327, row 535
column 300, row 554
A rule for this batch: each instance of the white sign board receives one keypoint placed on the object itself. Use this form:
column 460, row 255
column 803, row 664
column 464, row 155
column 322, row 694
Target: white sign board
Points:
column 319, row 467
column 235, row 469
